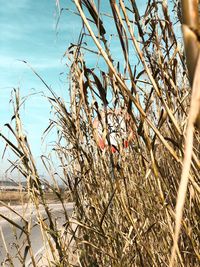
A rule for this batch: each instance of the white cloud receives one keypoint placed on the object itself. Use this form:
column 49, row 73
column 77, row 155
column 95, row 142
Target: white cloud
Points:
column 12, row 32
column 47, row 64
column 15, row 32
column 11, row 5
column 9, row 62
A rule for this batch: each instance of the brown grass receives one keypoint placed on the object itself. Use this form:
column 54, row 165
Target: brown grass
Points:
column 13, row 198
column 17, row 198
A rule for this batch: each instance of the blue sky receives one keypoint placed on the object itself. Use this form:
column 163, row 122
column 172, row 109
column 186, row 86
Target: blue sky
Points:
column 28, row 33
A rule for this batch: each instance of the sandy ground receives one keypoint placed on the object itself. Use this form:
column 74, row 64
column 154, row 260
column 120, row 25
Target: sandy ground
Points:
column 43, row 255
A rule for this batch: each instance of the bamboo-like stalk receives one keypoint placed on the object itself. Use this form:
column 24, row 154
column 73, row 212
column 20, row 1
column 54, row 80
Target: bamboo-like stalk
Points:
column 191, row 23
column 190, row 16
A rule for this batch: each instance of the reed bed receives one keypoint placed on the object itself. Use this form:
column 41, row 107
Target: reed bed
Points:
column 124, row 200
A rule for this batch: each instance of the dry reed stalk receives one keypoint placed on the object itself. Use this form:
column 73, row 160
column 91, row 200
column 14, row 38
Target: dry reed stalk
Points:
column 190, row 31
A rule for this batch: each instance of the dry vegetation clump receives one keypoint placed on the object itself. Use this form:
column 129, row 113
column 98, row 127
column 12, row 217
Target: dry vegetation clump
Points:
column 125, row 201
column 17, row 197
column 13, row 197
column 124, row 213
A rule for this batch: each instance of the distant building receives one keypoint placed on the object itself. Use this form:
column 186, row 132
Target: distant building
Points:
column 9, row 185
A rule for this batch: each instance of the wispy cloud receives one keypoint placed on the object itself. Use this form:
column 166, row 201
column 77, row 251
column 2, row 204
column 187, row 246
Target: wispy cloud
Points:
column 11, row 63
column 11, row 5
column 29, row 31
column 48, row 64
column 11, row 32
